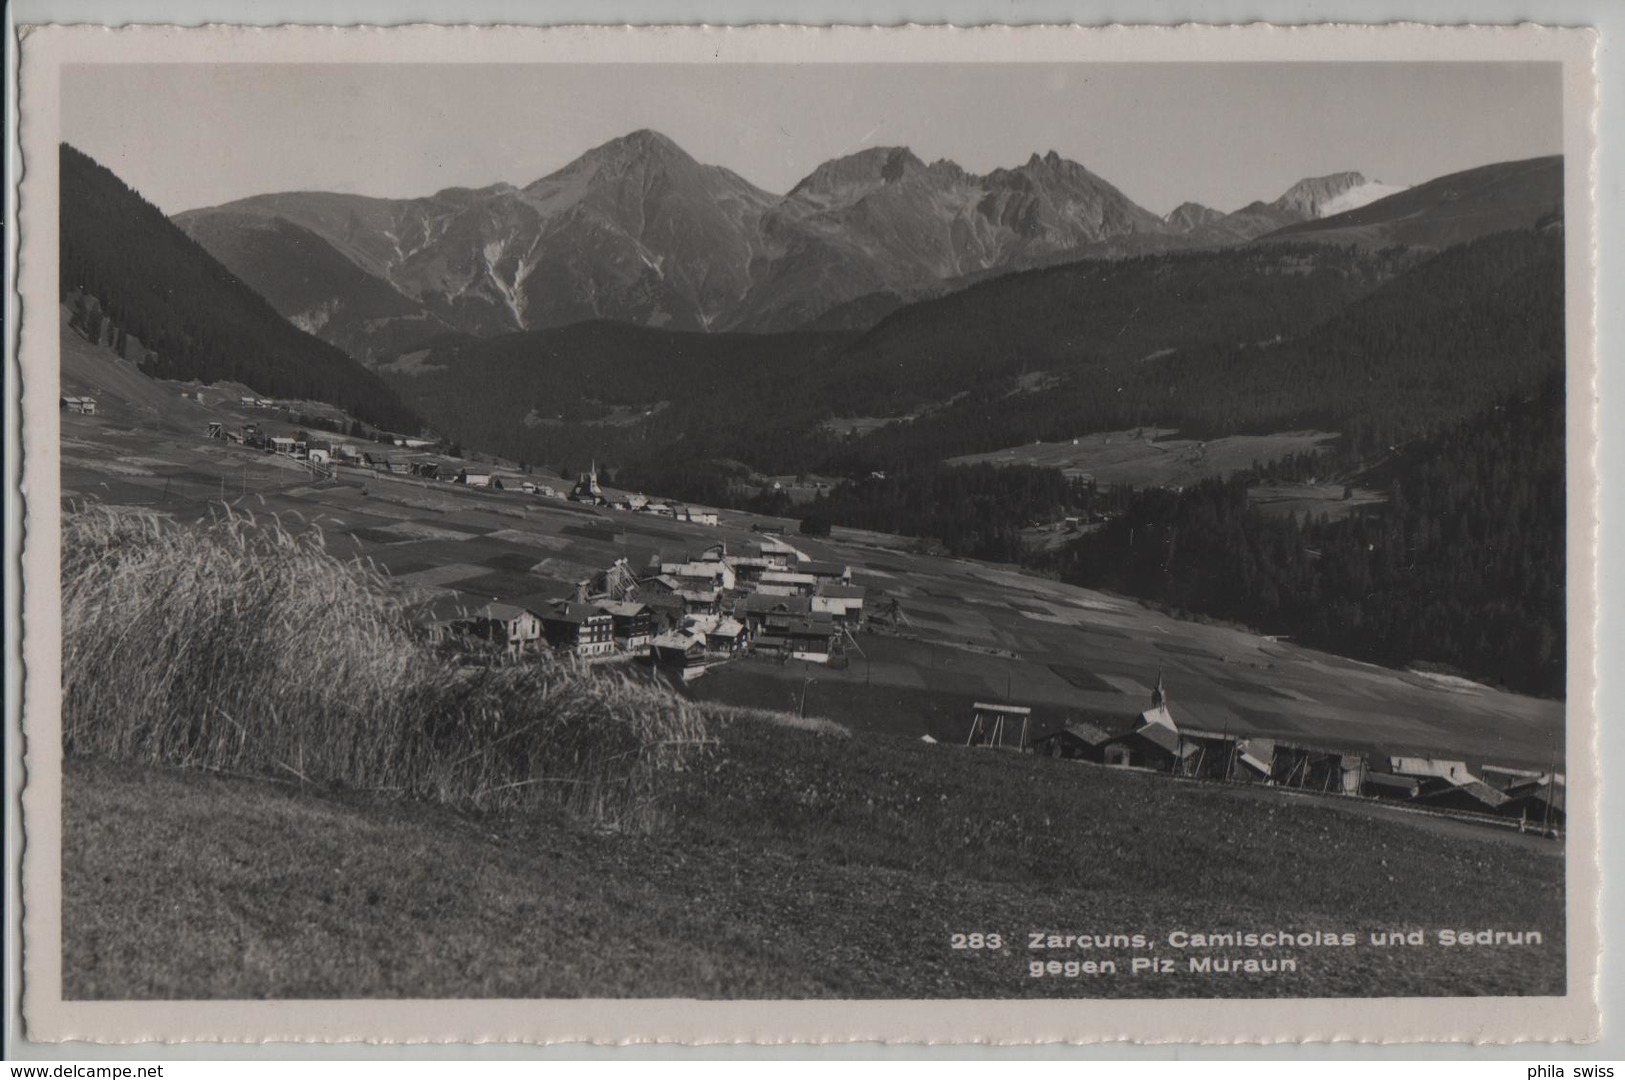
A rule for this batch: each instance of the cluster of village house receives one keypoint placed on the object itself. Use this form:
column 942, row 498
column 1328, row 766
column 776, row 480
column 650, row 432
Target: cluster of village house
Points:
column 418, row 462
column 691, row 613
column 1533, row 798
column 684, row 614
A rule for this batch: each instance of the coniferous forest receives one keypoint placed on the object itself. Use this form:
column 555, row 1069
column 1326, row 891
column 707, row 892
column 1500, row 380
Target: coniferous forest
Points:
column 1381, row 347
column 200, row 322
column 1463, row 567
column 1442, row 374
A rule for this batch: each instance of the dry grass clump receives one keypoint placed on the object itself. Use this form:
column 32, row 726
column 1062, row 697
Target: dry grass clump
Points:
column 818, row 725
column 242, row 647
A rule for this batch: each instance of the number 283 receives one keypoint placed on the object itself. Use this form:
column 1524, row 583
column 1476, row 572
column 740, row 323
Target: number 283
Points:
column 976, row 941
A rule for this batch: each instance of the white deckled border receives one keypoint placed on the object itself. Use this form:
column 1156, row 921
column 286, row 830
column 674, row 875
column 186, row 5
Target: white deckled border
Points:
column 45, row 50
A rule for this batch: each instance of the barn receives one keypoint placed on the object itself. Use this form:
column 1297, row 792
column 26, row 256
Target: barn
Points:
column 1539, row 802
column 1470, row 796
column 680, row 653
column 1080, row 741
column 508, row 627
column 767, row 614
column 843, row 603
column 1212, row 755
column 1153, row 744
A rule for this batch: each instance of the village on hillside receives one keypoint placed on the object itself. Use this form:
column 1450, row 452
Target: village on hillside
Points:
column 688, row 613
column 683, row 615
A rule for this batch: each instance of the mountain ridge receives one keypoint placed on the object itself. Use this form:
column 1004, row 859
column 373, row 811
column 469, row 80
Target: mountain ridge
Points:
column 637, row 230
column 657, row 238
column 194, row 318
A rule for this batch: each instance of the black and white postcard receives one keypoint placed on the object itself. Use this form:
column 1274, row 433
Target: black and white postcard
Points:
column 809, row 534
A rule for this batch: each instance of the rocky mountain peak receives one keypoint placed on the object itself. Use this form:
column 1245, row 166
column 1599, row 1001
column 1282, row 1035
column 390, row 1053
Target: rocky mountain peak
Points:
column 641, row 151
column 1191, row 215
column 850, row 177
column 1308, row 197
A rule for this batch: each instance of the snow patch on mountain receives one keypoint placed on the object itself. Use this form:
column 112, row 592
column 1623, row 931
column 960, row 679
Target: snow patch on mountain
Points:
column 312, row 320
column 1362, row 195
column 512, row 292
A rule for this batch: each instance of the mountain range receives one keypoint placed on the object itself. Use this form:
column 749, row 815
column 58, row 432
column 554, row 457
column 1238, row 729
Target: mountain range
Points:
column 126, row 267
column 638, row 231
column 1392, row 318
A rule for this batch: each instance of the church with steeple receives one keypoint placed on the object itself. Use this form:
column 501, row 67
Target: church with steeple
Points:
column 587, row 489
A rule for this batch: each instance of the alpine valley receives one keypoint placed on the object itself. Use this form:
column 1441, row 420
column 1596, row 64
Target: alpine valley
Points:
column 1336, row 414
column 637, row 231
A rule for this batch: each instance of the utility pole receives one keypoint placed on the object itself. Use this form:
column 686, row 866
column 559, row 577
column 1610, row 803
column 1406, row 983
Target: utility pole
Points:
column 802, row 709
column 1551, row 793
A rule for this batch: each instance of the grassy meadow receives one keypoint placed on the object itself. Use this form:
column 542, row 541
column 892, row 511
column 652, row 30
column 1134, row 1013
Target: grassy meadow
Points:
column 240, row 647
column 793, row 864
column 272, row 791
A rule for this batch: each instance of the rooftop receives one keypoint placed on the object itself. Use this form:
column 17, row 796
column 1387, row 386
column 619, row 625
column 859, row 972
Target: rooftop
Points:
column 572, row 611
column 763, row 603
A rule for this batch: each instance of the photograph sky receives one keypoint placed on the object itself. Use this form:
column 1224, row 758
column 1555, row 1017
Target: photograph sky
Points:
column 190, row 135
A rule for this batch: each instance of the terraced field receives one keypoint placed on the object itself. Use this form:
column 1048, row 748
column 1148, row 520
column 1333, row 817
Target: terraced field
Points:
column 976, row 631
column 795, row 863
column 1153, row 456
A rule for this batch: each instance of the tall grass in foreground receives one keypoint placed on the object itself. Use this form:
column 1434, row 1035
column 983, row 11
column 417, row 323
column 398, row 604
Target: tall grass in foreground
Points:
column 239, row 646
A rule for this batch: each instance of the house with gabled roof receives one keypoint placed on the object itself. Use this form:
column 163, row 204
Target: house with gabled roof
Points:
column 700, row 601
column 510, row 628
column 658, row 585
column 578, row 628
column 832, row 572
column 800, row 637
column 1538, row 803
column 1154, row 742
column 632, row 624
column 765, row 613
column 1078, row 741
column 785, row 554
column 680, row 653
column 726, row 635
column 700, row 574
column 786, row 583
column 843, row 603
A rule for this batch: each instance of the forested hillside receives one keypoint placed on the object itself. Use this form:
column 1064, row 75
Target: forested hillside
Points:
column 201, row 322
column 1444, row 339
column 626, row 395
column 765, row 399
column 1108, row 316
column 1379, row 347
column 1463, row 567
column 975, row 510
